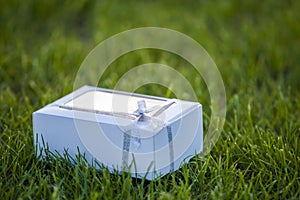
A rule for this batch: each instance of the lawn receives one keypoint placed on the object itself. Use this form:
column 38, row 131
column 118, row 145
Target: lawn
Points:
column 256, row 46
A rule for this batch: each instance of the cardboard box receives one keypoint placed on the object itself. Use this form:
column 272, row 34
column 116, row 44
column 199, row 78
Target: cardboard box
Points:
column 145, row 135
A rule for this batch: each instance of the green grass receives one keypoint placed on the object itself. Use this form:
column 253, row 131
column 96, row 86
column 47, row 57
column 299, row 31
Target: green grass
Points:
column 255, row 44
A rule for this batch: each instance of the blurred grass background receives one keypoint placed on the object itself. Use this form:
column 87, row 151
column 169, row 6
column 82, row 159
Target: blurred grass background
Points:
column 255, row 45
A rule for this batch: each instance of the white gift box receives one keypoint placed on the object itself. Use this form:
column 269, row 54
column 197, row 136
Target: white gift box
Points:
column 145, row 135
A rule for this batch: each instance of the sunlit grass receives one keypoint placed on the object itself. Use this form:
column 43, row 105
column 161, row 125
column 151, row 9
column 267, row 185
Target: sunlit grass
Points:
column 255, row 44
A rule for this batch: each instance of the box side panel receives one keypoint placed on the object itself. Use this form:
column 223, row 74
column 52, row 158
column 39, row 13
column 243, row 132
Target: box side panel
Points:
column 180, row 155
column 60, row 134
column 196, row 146
column 56, row 133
